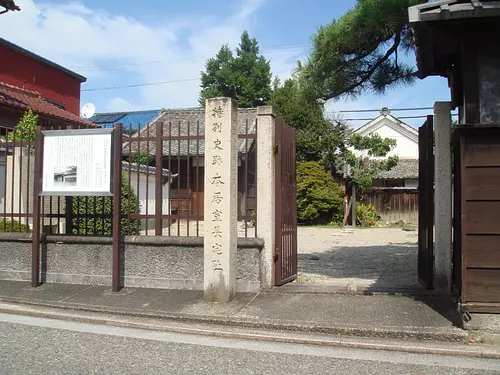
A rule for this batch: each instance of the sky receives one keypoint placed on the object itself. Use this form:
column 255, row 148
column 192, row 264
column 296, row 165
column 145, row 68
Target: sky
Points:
column 116, row 43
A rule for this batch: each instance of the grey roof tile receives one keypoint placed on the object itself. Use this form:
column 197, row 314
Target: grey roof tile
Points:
column 133, row 167
column 406, row 168
column 190, row 122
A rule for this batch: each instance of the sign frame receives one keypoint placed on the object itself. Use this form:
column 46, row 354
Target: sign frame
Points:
column 110, row 132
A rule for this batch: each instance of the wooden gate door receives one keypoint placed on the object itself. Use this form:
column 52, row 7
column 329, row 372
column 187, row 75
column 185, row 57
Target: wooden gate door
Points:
column 285, row 256
column 478, row 260
column 426, row 203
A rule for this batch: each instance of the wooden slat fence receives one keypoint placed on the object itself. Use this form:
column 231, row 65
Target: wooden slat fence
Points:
column 394, row 205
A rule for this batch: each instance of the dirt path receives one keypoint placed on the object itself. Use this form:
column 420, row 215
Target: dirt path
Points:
column 366, row 258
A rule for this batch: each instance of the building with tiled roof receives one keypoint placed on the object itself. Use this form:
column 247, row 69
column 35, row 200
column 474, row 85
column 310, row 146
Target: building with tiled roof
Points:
column 132, row 121
column 405, row 173
column 191, row 122
column 184, row 154
column 28, row 80
column 14, row 101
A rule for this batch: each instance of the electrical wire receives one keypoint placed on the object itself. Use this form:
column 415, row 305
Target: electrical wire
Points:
column 185, row 60
column 140, row 85
column 399, row 117
column 378, row 110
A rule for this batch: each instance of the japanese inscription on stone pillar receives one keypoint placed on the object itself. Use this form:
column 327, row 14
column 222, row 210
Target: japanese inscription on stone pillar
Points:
column 220, row 200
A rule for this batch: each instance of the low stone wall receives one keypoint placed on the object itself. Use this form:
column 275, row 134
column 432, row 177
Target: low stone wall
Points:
column 147, row 261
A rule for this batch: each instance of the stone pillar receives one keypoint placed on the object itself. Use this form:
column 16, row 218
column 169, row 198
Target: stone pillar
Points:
column 266, row 206
column 221, row 204
column 443, row 247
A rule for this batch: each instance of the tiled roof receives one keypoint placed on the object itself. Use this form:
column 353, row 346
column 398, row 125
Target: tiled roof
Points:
column 126, row 166
column 131, row 120
column 406, row 168
column 25, row 99
column 184, row 122
column 454, row 9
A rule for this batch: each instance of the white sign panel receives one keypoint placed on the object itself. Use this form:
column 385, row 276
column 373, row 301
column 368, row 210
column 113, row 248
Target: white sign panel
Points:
column 77, row 162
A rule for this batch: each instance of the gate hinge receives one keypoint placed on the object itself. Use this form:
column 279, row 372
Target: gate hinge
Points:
column 275, row 149
column 275, row 257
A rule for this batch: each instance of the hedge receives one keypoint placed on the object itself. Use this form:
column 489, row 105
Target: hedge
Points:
column 93, row 215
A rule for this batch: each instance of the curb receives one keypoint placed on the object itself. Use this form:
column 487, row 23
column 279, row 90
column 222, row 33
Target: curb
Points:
column 342, row 289
column 299, row 338
column 413, row 333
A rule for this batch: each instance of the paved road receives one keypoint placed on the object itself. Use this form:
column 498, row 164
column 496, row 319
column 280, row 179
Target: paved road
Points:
column 42, row 346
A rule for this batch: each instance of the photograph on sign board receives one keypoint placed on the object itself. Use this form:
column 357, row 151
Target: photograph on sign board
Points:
column 65, row 175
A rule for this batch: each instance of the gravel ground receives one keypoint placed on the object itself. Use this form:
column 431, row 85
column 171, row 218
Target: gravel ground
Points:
column 379, row 257
column 360, row 258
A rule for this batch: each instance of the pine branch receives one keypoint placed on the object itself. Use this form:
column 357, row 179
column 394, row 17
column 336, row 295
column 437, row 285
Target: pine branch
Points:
column 366, row 75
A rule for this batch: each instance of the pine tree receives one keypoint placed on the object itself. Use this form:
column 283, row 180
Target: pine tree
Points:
column 361, row 51
column 245, row 76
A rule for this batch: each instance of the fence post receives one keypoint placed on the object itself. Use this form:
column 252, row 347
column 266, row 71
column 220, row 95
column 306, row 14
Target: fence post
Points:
column 159, row 178
column 117, row 203
column 266, row 197
column 221, row 203
column 442, row 197
column 35, row 240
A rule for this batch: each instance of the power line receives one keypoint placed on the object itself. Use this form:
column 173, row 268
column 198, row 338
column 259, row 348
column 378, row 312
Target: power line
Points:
column 378, row 110
column 185, row 60
column 141, row 85
column 399, row 117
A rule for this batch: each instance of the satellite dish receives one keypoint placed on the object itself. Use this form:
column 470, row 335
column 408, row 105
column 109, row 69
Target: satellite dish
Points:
column 88, row 110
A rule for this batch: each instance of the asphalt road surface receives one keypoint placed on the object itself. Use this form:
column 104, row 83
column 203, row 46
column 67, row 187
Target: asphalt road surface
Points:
column 43, row 346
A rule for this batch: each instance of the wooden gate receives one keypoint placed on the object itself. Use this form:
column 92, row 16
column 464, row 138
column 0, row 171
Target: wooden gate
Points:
column 285, row 256
column 477, row 230
column 426, row 203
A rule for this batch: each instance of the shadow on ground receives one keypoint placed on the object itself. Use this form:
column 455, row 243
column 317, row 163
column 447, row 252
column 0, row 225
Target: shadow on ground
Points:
column 366, row 269
column 390, row 265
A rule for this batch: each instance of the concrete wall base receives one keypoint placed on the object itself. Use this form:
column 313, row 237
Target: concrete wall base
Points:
column 150, row 262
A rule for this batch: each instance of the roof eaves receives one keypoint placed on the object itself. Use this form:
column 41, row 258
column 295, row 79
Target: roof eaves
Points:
column 69, row 118
column 394, row 123
column 141, row 168
column 444, row 10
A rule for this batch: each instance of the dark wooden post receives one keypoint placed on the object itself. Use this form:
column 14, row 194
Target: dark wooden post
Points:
column 159, row 179
column 35, row 241
column 353, row 197
column 117, row 200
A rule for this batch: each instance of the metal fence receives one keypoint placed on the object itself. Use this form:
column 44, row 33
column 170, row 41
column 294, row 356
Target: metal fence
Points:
column 162, row 184
column 17, row 169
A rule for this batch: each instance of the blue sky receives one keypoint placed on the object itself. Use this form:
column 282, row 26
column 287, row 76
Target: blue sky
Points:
column 117, row 43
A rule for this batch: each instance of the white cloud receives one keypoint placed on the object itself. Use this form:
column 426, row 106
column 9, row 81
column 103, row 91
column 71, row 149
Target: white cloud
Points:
column 119, row 105
column 248, row 7
column 111, row 49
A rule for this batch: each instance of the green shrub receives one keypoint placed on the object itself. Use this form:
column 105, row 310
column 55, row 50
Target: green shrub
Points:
column 366, row 215
column 141, row 158
column 319, row 198
column 13, row 226
column 92, row 215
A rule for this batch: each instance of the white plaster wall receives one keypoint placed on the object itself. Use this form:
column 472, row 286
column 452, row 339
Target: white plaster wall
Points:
column 405, row 149
column 411, row 183
column 149, row 187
